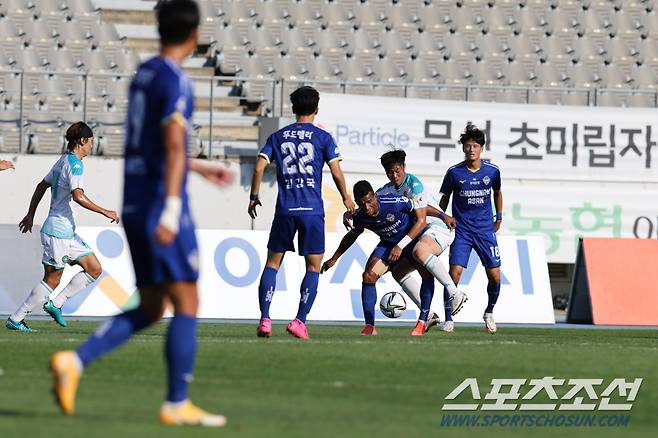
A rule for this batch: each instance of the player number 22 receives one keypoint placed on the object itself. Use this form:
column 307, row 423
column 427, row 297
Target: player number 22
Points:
column 297, row 158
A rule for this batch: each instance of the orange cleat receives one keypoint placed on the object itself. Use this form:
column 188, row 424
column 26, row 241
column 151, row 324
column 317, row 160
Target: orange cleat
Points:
column 419, row 330
column 66, row 375
column 369, row 330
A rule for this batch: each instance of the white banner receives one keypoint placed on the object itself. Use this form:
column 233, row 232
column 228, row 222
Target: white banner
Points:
column 567, row 172
column 527, row 141
column 232, row 261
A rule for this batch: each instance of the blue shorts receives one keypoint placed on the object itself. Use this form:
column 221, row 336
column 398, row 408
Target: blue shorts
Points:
column 485, row 246
column 156, row 264
column 309, row 229
column 383, row 249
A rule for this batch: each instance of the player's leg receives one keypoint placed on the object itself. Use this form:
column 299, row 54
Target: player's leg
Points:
column 460, row 251
column 402, row 273
column 281, row 237
column 487, row 249
column 427, row 252
column 82, row 255
column 426, row 295
column 375, row 268
column 37, row 297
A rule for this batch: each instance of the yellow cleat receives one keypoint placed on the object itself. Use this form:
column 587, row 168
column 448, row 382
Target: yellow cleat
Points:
column 66, row 375
column 187, row 414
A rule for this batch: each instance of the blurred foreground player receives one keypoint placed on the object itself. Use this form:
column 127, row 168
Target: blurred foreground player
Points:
column 299, row 151
column 157, row 221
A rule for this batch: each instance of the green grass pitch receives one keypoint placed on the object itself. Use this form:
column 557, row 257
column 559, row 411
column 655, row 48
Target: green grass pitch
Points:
column 339, row 384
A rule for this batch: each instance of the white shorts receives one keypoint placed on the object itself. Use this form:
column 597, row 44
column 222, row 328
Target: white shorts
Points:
column 61, row 252
column 441, row 235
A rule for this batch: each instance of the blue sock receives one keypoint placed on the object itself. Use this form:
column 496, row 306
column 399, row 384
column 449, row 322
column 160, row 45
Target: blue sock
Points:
column 180, row 351
column 309, row 290
column 111, row 334
column 368, row 298
column 266, row 290
column 426, row 295
column 493, row 290
column 447, row 305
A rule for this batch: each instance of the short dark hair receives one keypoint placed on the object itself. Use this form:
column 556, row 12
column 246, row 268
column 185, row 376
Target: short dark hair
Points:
column 77, row 132
column 177, row 19
column 472, row 133
column 361, row 189
column 390, row 158
column 305, row 100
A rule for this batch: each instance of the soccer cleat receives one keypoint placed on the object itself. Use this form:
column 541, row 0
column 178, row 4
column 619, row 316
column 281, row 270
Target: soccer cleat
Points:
column 419, row 330
column 369, row 330
column 297, row 329
column 55, row 312
column 264, row 329
column 448, row 326
column 489, row 323
column 457, row 302
column 187, row 414
column 18, row 326
column 66, row 375
column 433, row 320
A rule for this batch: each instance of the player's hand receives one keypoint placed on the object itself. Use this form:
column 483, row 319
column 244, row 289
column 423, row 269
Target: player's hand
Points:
column 450, row 222
column 220, row 176
column 347, row 220
column 26, row 224
column 112, row 216
column 349, row 204
column 5, row 164
column 252, row 208
column 395, row 253
column 163, row 235
column 328, row 264
column 497, row 225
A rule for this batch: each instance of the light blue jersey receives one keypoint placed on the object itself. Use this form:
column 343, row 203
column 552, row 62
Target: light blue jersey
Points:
column 64, row 177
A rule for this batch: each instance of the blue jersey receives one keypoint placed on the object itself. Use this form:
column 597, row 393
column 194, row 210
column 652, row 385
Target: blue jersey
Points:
column 300, row 151
column 160, row 92
column 471, row 195
column 393, row 221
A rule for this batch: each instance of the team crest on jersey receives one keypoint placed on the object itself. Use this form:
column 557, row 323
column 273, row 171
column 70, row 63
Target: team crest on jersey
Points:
column 390, row 217
column 486, row 180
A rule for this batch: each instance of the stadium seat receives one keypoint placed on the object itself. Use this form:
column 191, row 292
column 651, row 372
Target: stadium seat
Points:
column 419, row 71
column 642, row 100
column 9, row 130
column 389, row 41
column 387, row 71
column 235, row 11
column 286, row 67
column 424, row 42
column 45, row 133
column 325, row 37
column 320, row 68
column 516, row 73
column 51, row 94
column 28, row 58
column 260, row 37
column 333, row 13
column 125, row 61
column 298, row 11
column 396, row 13
column 353, row 68
column 358, row 39
column 227, row 37
column 111, row 133
column 580, row 75
column 95, row 61
column 643, row 76
column 268, row 12
column 610, row 99
column 511, row 96
column 81, row 7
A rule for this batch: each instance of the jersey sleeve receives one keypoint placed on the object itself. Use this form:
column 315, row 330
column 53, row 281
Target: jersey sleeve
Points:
column 496, row 180
column 267, row 149
column 418, row 193
column 173, row 100
column 409, row 204
column 74, row 173
column 50, row 176
column 447, row 185
column 330, row 151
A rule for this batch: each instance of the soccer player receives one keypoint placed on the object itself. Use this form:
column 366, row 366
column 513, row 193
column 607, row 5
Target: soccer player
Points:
column 393, row 219
column 157, row 221
column 5, row 164
column 61, row 245
column 436, row 238
column 472, row 183
column 300, row 151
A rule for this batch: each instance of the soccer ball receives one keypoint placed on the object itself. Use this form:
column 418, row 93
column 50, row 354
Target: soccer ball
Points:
column 392, row 304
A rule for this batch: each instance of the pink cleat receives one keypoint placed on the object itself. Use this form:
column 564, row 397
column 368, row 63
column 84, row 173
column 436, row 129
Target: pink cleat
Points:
column 297, row 329
column 264, row 329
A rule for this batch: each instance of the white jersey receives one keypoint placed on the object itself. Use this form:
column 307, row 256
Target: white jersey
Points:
column 64, row 177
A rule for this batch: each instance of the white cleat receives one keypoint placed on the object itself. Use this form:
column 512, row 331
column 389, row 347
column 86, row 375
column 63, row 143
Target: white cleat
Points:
column 448, row 326
column 457, row 302
column 489, row 323
column 433, row 320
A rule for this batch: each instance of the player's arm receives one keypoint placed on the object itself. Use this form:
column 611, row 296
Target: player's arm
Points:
column 446, row 218
column 256, row 179
column 498, row 203
column 218, row 175
column 82, row 200
column 26, row 224
column 415, row 230
column 347, row 241
column 339, row 180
